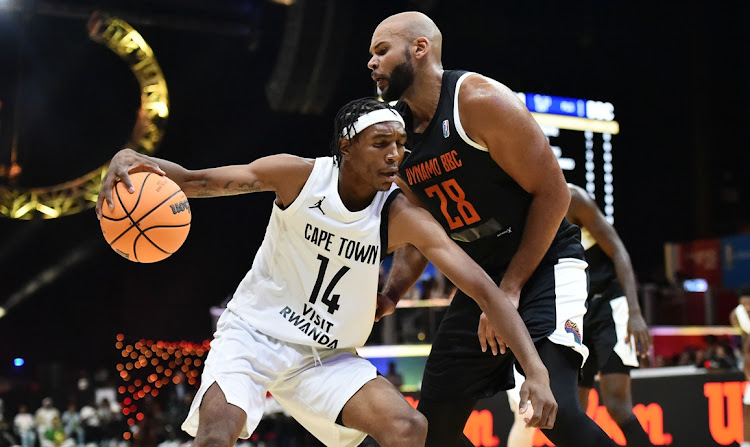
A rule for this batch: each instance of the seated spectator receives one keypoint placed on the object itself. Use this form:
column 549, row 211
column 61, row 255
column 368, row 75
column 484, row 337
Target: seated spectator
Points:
column 55, row 435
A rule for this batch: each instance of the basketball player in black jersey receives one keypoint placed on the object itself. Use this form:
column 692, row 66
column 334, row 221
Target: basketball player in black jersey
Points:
column 615, row 331
column 483, row 168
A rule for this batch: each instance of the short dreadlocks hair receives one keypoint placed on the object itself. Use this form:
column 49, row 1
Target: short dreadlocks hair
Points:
column 348, row 115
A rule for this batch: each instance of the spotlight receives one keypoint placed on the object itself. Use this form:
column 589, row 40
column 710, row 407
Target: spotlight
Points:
column 8, row 5
column 695, row 285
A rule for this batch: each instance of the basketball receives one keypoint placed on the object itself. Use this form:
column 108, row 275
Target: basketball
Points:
column 151, row 223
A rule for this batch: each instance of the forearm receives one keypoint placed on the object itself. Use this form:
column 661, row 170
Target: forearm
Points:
column 545, row 214
column 626, row 277
column 133, row 159
column 408, row 265
column 503, row 316
column 213, row 182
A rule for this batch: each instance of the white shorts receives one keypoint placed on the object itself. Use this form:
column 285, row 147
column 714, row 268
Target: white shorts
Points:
column 621, row 315
column 246, row 364
column 571, row 290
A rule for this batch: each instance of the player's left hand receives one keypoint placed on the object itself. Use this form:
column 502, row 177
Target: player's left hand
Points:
column 489, row 337
column 385, row 306
column 537, row 392
column 639, row 335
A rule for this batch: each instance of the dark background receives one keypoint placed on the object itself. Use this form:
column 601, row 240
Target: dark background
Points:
column 678, row 74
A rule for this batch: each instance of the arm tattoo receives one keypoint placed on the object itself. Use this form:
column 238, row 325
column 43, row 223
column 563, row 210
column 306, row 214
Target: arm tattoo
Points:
column 232, row 187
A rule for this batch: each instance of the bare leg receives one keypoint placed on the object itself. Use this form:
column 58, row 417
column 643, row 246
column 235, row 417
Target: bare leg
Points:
column 220, row 422
column 583, row 396
column 519, row 435
column 380, row 410
column 617, row 398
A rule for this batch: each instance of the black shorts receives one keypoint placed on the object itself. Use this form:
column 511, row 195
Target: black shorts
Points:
column 552, row 306
column 605, row 330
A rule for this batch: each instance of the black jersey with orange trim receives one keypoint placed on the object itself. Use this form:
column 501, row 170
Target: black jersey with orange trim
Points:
column 478, row 204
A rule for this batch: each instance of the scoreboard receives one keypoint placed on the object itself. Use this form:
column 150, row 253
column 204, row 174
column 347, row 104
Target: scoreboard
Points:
column 580, row 133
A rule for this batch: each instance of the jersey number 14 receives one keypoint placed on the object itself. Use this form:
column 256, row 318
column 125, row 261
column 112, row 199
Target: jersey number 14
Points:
column 332, row 301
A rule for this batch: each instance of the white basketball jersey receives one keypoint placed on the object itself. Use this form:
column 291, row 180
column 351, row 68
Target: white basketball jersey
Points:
column 314, row 279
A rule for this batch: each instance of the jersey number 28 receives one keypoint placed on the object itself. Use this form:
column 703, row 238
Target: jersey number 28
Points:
column 468, row 215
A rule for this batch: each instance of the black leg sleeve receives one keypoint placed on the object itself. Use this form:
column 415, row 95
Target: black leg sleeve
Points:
column 635, row 436
column 573, row 427
column 446, row 420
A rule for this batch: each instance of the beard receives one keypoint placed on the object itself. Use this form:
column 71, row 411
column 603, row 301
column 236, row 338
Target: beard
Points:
column 400, row 79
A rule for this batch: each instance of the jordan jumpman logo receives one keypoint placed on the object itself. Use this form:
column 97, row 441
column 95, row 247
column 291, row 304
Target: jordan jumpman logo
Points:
column 318, row 205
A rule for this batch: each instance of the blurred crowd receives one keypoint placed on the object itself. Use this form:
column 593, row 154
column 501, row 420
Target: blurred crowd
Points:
column 98, row 424
column 103, row 424
column 714, row 353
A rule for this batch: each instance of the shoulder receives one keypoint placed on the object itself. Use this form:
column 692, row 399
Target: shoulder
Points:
column 481, row 92
column 282, row 168
column 582, row 209
column 579, row 196
column 493, row 116
column 285, row 172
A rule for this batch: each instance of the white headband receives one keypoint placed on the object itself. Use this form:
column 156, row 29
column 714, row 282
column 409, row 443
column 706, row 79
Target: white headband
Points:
column 370, row 118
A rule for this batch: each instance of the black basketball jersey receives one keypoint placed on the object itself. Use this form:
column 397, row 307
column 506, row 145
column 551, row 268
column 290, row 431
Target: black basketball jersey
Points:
column 603, row 282
column 478, row 204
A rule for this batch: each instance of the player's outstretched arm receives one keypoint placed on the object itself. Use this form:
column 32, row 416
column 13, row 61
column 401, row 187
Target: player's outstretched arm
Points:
column 583, row 211
column 282, row 173
column 408, row 224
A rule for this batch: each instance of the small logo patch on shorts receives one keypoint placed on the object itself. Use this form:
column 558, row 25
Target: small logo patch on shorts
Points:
column 573, row 329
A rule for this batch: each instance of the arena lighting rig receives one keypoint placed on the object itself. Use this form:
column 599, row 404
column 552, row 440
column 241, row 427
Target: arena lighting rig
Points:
column 77, row 195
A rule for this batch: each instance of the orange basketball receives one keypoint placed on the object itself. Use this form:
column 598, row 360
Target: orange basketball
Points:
column 149, row 224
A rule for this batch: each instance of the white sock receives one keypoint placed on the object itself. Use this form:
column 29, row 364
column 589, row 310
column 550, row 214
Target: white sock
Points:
column 745, row 444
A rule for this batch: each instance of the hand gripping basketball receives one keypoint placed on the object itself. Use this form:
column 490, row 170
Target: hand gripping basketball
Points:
column 149, row 224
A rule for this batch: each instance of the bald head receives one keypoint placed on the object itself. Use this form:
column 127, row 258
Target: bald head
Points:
column 410, row 26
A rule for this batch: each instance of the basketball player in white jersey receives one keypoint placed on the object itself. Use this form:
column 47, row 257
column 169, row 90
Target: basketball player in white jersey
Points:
column 309, row 300
column 739, row 317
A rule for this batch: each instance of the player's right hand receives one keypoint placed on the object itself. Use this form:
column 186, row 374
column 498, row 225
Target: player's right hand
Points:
column 124, row 162
column 537, row 392
column 385, row 306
